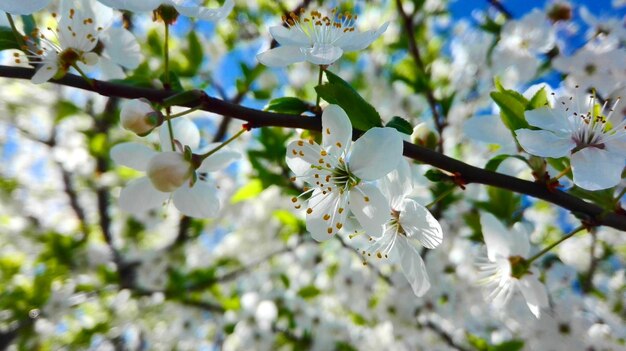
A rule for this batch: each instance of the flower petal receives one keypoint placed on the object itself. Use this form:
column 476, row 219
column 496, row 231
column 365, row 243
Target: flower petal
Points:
column 45, row 73
column 281, row 56
column 326, row 214
column 359, row 41
column 547, row 118
column 219, row 160
column 412, row 266
column 488, row 129
column 121, row 46
column 139, row 196
column 370, row 207
column 397, row 184
column 133, row 155
column 199, row 201
column 534, row 292
column 596, row 169
column 185, row 131
column 205, row 13
column 376, row 153
column 301, row 155
column 132, row 5
column 292, row 37
column 337, row 130
column 496, row 237
column 544, row 143
column 420, row 224
column 322, row 54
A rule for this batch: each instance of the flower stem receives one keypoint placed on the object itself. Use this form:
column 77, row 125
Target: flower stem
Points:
column 441, row 197
column 180, row 114
column 619, row 196
column 551, row 246
column 239, row 133
column 166, row 82
column 319, row 82
column 563, row 172
column 82, row 74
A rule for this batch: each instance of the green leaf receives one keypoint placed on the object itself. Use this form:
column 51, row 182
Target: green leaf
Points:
column 436, row 176
column 337, row 91
column 504, row 204
column 7, row 39
column 510, row 345
column 289, row 105
column 495, row 162
column 540, row 99
column 175, row 84
column 511, row 108
column 603, row 198
column 248, row 191
column 64, row 109
column 194, row 53
column 29, row 25
column 401, row 125
column 309, row 292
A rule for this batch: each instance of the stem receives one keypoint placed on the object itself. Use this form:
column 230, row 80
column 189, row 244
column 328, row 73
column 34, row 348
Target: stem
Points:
column 551, row 246
column 563, row 172
column 82, row 74
column 619, row 196
column 239, row 133
column 441, row 197
column 18, row 36
column 166, row 82
column 319, row 82
column 180, row 114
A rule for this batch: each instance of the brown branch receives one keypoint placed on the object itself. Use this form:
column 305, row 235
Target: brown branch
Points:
column 407, row 21
column 257, row 119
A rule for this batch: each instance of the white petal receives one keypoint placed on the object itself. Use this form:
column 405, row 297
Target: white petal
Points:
column 412, row 266
column 596, row 169
column 109, row 69
column 45, row 73
column 420, row 224
column 185, row 131
column 337, row 130
column 133, row 155
column 359, row 41
column 547, row 118
column 488, row 129
column 370, row 208
column 22, row 7
column 322, row 54
column 292, row 37
column 544, row 143
column 132, row 5
column 326, row 219
column 497, row 237
column 200, row 201
column 376, row 153
column 121, row 47
column 139, row 196
column 397, row 184
column 534, row 292
column 281, row 56
column 219, row 160
column 207, row 14
column 301, row 155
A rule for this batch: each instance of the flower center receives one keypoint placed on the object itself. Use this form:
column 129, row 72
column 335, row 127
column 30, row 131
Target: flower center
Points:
column 68, row 58
column 319, row 28
column 342, row 178
column 395, row 221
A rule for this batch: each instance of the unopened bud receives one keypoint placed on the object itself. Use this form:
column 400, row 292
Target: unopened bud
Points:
column 140, row 117
column 168, row 171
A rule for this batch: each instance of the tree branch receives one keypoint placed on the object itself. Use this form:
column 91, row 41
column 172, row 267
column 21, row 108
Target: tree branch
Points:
column 256, row 118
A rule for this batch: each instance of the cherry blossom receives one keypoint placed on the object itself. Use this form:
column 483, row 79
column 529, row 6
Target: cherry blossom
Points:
column 189, row 8
column 506, row 248
column 171, row 175
column 23, row 7
column 340, row 174
column 593, row 140
column 317, row 38
column 410, row 226
column 139, row 116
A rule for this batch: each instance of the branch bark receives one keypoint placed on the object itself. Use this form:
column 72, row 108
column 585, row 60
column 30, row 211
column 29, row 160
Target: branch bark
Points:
column 256, row 119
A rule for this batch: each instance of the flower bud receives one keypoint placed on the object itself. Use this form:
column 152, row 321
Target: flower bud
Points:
column 139, row 117
column 168, row 171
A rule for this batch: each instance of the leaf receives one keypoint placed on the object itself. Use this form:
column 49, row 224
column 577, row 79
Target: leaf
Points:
column 7, row 39
column 309, row 292
column 495, row 162
column 30, row 25
column 175, row 84
column 337, row 91
column 510, row 345
column 511, row 109
column 540, row 99
column 436, row 176
column 64, row 109
column 248, row 191
column 401, row 125
column 603, row 198
column 194, row 53
column 289, row 105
